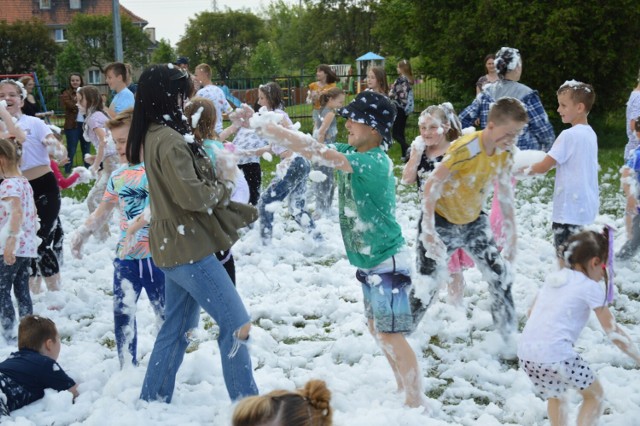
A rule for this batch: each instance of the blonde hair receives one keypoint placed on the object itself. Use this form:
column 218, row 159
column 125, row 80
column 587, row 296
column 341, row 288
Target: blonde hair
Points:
column 205, row 126
column 205, row 68
column 506, row 109
column 305, row 407
column 11, row 150
column 445, row 115
column 327, row 95
column 122, row 119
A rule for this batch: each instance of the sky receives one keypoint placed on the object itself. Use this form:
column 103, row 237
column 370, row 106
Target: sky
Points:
column 170, row 17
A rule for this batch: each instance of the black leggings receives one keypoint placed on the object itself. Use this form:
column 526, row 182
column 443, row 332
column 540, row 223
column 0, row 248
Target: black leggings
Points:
column 253, row 175
column 47, row 198
column 398, row 130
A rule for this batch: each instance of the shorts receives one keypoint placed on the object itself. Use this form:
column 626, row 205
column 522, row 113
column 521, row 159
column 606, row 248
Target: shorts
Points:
column 561, row 233
column 387, row 301
column 551, row 380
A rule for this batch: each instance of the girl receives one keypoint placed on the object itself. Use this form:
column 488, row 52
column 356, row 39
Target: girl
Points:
column 133, row 267
column 106, row 159
column 325, row 130
column 73, row 121
column 630, row 180
column 326, row 79
column 18, row 221
column 30, row 106
column 201, row 114
column 291, row 173
column 556, row 319
column 39, row 142
column 377, row 80
column 439, row 126
column 305, row 407
column 632, row 114
column 401, row 95
column 491, row 76
column 192, row 217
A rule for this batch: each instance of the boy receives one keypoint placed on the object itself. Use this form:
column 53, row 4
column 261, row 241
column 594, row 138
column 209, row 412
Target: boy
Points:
column 630, row 180
column 454, row 195
column 116, row 76
column 213, row 93
column 372, row 237
column 574, row 154
column 27, row 373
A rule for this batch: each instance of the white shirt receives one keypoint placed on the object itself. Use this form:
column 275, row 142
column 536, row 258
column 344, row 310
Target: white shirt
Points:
column 216, row 95
column 34, row 151
column 26, row 240
column 561, row 311
column 575, row 194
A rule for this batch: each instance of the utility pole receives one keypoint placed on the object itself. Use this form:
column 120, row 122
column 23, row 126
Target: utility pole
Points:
column 117, row 32
column 214, row 5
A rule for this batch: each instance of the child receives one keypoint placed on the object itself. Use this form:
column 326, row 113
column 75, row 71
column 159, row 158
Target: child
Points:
column 201, row 114
column 630, row 180
column 18, row 241
column 454, row 195
column 557, row 317
column 326, row 79
column 575, row 156
column 106, row 159
column 213, row 93
column 291, row 173
column 325, row 130
column 27, row 373
column 117, row 78
column 401, row 94
column 439, row 125
column 133, row 266
column 372, row 237
column 304, row 407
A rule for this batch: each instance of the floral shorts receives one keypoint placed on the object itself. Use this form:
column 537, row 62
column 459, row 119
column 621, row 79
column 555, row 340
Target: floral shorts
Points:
column 551, row 380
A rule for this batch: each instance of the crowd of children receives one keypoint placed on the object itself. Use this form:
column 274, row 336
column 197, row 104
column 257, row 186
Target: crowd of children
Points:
column 181, row 206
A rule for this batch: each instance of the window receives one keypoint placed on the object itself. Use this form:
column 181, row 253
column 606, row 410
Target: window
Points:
column 74, row 4
column 94, row 76
column 60, row 34
column 45, row 4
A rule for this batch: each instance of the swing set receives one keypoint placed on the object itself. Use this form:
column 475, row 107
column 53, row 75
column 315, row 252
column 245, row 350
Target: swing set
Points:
column 34, row 75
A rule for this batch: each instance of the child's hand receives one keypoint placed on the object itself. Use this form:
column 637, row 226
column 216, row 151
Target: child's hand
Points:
column 10, row 250
column 94, row 169
column 434, row 246
column 84, row 175
column 63, row 162
column 127, row 244
column 77, row 240
column 88, row 158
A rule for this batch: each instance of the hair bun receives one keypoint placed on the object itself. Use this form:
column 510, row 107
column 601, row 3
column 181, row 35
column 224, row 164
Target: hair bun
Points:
column 507, row 59
column 318, row 394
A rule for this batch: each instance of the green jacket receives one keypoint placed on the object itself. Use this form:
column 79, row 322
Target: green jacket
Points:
column 191, row 215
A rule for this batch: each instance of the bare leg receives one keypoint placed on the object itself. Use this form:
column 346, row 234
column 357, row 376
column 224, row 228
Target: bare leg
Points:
column 391, row 361
column 397, row 349
column 591, row 407
column 455, row 289
column 35, row 284
column 53, row 282
column 557, row 411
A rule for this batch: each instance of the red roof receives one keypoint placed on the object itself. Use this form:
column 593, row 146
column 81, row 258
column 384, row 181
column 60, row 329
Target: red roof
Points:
column 60, row 13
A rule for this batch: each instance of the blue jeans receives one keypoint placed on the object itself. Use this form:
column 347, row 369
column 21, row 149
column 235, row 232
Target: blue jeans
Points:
column 188, row 287
column 293, row 185
column 74, row 136
column 324, row 190
column 139, row 273
column 16, row 276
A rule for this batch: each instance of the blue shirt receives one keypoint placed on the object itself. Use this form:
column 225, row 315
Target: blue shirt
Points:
column 26, row 374
column 123, row 100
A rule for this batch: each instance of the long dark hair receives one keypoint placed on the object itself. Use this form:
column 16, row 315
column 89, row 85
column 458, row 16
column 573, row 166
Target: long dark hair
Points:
column 160, row 90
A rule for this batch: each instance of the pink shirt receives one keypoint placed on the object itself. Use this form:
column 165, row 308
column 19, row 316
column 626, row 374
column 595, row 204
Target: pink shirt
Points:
column 26, row 240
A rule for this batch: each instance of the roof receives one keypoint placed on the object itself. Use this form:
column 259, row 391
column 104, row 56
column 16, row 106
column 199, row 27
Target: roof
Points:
column 370, row 56
column 60, row 14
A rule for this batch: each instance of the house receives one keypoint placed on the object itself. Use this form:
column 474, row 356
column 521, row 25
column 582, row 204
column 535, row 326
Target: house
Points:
column 57, row 15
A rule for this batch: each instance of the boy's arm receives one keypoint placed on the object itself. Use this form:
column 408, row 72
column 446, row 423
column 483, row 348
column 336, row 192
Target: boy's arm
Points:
column 93, row 222
column 616, row 334
column 307, row 147
column 432, row 192
column 505, row 199
column 540, row 167
column 628, row 183
column 102, row 135
column 410, row 172
column 13, row 130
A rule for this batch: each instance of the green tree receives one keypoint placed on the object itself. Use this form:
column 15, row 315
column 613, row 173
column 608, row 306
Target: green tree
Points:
column 92, row 37
column 163, row 53
column 222, row 40
column 264, row 61
column 68, row 61
column 24, row 45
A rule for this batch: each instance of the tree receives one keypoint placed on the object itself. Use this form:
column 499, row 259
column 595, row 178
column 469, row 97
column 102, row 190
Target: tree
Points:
column 24, row 45
column 68, row 61
column 163, row 53
column 222, row 40
column 92, row 37
column 264, row 61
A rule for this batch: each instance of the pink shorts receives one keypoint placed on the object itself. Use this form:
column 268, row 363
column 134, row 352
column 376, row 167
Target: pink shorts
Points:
column 459, row 261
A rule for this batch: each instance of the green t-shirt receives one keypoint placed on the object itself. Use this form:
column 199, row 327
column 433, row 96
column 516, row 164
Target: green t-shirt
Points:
column 367, row 205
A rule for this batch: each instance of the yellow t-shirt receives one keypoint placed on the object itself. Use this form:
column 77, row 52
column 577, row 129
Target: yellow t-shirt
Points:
column 316, row 88
column 472, row 172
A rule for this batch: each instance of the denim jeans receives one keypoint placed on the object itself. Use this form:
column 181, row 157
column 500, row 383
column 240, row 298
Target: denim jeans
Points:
column 139, row 273
column 188, row 287
column 16, row 276
column 294, row 185
column 323, row 191
column 73, row 137
column 631, row 246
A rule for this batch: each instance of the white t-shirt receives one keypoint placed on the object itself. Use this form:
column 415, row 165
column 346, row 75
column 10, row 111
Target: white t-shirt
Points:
column 216, row 95
column 34, row 151
column 561, row 311
column 575, row 194
column 26, row 240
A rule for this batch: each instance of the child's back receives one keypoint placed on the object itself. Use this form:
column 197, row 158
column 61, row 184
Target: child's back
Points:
column 576, row 196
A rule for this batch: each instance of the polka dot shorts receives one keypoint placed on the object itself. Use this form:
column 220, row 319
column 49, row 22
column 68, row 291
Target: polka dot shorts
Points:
column 551, row 380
